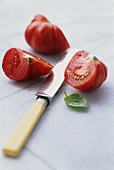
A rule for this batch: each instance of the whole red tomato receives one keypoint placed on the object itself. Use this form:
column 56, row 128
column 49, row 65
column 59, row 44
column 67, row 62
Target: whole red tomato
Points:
column 45, row 37
column 20, row 65
column 85, row 73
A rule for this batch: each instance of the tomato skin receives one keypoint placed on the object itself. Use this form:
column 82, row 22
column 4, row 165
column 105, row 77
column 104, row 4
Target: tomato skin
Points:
column 39, row 67
column 45, row 37
column 21, row 65
column 100, row 77
column 85, row 73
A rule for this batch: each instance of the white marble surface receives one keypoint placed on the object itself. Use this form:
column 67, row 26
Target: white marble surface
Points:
column 63, row 139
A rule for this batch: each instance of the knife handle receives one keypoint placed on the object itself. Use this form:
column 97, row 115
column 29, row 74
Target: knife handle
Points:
column 24, row 128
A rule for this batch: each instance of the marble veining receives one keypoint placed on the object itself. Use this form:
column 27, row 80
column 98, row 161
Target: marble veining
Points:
column 40, row 158
column 64, row 138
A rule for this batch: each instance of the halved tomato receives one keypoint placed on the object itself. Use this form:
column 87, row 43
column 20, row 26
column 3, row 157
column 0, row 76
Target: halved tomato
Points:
column 85, row 73
column 21, row 65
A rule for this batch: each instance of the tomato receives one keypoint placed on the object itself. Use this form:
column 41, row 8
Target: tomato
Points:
column 45, row 37
column 85, row 73
column 21, row 65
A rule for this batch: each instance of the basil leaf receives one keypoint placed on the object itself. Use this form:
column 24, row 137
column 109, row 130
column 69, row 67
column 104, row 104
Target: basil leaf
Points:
column 76, row 100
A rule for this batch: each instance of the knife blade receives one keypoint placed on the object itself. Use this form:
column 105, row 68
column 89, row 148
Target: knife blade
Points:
column 55, row 78
column 48, row 89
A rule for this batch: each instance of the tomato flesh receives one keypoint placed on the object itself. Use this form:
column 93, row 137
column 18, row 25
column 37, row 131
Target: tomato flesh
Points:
column 82, row 75
column 14, row 65
column 20, row 65
column 85, row 73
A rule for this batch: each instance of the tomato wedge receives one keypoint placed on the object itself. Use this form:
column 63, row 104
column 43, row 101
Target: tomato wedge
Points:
column 21, row 65
column 85, row 73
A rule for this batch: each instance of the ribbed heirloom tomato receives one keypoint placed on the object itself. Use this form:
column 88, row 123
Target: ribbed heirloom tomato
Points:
column 45, row 37
column 21, row 65
column 85, row 73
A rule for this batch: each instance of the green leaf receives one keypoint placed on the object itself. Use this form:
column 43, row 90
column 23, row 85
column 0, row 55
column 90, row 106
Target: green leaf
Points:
column 75, row 100
column 30, row 60
column 29, row 57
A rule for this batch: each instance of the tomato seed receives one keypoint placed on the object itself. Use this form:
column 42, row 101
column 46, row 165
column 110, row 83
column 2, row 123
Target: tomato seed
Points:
column 86, row 74
column 82, row 77
column 15, row 52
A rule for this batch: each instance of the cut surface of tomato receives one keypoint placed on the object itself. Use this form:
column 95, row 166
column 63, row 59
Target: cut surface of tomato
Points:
column 15, row 66
column 85, row 73
column 20, row 65
column 81, row 75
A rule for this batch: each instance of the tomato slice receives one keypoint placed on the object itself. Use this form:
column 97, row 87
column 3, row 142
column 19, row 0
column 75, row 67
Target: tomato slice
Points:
column 20, row 65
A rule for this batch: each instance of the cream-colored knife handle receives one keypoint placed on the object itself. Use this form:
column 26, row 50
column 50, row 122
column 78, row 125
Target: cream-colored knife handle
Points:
column 24, row 128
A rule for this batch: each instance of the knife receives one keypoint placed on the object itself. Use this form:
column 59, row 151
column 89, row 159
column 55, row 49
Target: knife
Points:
column 48, row 89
